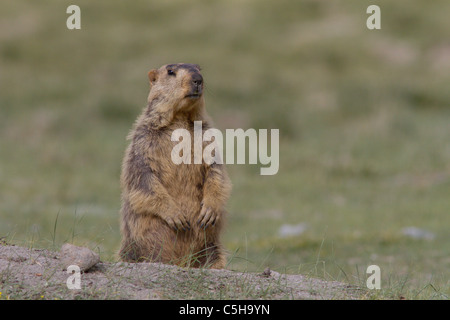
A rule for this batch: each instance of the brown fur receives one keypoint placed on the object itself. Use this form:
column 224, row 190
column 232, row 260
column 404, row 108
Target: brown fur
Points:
column 171, row 213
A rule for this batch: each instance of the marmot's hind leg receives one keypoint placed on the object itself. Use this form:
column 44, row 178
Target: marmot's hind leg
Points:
column 215, row 257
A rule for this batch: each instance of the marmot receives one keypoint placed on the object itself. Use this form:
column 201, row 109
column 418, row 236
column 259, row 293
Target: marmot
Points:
column 171, row 213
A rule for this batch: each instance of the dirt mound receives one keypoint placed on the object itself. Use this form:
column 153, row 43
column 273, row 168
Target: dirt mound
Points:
column 39, row 274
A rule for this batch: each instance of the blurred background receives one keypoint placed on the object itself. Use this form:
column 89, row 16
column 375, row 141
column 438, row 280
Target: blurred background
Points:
column 364, row 120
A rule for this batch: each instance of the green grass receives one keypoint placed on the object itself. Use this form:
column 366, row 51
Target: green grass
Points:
column 363, row 117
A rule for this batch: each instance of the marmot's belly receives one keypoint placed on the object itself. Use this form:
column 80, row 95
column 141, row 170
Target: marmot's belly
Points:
column 186, row 189
column 166, row 245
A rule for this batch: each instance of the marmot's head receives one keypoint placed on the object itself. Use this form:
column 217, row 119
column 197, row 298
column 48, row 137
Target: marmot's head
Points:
column 179, row 86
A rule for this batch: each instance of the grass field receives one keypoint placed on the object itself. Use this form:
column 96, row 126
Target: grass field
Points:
column 364, row 120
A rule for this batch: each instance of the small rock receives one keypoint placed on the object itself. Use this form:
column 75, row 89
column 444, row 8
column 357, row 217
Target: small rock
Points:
column 266, row 272
column 82, row 257
column 288, row 230
column 417, row 233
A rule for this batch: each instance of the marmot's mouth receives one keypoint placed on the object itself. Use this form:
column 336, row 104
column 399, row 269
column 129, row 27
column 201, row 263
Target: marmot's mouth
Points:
column 193, row 95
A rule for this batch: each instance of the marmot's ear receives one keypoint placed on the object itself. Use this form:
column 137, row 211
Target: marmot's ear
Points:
column 153, row 76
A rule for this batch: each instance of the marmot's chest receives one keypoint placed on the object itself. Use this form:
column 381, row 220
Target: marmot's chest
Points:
column 180, row 157
column 184, row 143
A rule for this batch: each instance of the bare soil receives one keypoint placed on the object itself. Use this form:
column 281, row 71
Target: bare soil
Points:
column 38, row 274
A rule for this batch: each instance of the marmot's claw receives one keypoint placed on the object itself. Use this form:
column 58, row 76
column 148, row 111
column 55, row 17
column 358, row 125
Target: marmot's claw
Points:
column 207, row 218
column 178, row 223
column 213, row 221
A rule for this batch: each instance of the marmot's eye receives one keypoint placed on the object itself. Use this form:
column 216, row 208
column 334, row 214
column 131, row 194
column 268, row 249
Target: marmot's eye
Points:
column 170, row 72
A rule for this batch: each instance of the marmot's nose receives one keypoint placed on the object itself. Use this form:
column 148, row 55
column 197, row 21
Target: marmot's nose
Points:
column 197, row 79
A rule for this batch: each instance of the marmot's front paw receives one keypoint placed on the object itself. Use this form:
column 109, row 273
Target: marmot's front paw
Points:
column 208, row 217
column 178, row 222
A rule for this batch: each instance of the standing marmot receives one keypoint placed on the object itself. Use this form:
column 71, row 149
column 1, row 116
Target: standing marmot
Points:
column 171, row 213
